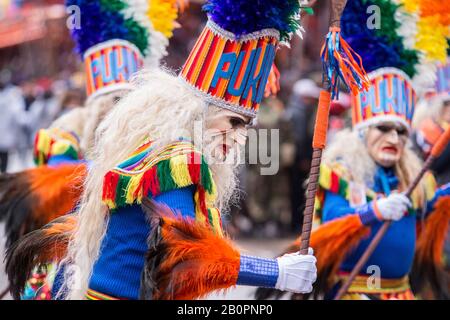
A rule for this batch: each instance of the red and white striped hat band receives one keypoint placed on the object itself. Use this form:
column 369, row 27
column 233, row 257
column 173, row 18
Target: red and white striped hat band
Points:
column 231, row 72
column 110, row 65
column 391, row 98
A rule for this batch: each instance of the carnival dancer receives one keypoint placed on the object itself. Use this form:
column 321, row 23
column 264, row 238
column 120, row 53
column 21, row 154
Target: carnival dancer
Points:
column 115, row 40
column 152, row 158
column 435, row 120
column 366, row 169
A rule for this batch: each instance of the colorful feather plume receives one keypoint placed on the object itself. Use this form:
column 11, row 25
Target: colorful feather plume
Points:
column 243, row 17
column 432, row 26
column 341, row 63
column 394, row 36
column 146, row 23
column 187, row 259
column 37, row 248
column 32, row 198
column 379, row 45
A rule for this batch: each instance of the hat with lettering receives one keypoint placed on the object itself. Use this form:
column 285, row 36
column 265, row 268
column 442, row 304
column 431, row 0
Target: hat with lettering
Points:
column 117, row 37
column 231, row 63
column 398, row 55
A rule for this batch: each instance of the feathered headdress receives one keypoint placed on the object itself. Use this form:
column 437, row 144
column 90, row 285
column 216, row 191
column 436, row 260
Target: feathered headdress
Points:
column 231, row 63
column 392, row 38
column 117, row 37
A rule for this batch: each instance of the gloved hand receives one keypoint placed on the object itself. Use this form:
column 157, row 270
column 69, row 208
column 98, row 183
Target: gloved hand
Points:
column 393, row 207
column 297, row 272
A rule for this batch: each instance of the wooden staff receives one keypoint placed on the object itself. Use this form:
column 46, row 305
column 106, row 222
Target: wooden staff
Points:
column 319, row 138
column 437, row 150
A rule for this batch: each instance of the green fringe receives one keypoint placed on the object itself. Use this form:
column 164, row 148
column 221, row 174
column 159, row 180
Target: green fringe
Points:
column 166, row 182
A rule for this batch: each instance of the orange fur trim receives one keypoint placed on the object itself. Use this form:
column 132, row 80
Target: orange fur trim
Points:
column 187, row 259
column 430, row 243
column 36, row 248
column 58, row 190
column 428, row 276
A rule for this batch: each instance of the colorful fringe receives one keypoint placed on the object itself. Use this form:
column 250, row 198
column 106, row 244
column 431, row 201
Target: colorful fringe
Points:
column 54, row 142
column 340, row 64
column 95, row 295
column 273, row 82
column 405, row 295
column 148, row 173
column 186, row 259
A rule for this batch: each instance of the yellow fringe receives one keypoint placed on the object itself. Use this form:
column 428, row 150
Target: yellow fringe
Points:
column 180, row 171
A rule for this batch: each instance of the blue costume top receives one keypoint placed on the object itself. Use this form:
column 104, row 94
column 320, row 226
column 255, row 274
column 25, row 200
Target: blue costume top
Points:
column 395, row 253
column 117, row 272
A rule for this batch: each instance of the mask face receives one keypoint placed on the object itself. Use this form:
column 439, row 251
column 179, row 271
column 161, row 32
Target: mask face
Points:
column 227, row 131
column 386, row 143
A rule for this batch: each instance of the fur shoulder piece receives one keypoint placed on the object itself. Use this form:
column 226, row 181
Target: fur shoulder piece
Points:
column 150, row 171
column 187, row 259
column 53, row 142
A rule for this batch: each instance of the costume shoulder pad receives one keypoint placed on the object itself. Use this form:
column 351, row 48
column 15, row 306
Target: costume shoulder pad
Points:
column 335, row 178
column 55, row 142
column 150, row 171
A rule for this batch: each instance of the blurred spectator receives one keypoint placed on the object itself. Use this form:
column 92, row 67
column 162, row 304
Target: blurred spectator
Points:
column 265, row 209
column 71, row 99
column 435, row 121
column 300, row 114
column 12, row 120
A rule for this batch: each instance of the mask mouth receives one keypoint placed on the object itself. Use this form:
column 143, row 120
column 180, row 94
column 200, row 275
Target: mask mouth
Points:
column 390, row 150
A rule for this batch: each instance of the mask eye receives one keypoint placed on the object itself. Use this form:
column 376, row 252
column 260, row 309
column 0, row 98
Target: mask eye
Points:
column 238, row 123
column 383, row 128
column 402, row 131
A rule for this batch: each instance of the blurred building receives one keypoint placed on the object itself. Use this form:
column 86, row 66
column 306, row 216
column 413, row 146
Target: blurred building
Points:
column 34, row 39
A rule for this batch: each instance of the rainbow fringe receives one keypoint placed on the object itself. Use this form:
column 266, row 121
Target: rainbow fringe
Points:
column 53, row 142
column 340, row 64
column 149, row 172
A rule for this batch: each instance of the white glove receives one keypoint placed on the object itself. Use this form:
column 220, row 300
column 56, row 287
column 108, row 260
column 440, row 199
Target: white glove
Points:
column 393, row 207
column 296, row 272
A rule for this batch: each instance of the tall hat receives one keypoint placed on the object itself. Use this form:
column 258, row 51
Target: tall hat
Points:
column 231, row 62
column 117, row 37
column 399, row 52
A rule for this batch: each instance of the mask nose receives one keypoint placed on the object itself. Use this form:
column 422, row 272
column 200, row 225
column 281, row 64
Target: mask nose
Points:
column 393, row 136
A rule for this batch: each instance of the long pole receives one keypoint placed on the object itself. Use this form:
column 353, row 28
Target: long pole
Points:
column 320, row 137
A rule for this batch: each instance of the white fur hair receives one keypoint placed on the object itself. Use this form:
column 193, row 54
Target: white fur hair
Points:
column 83, row 121
column 161, row 108
column 349, row 148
